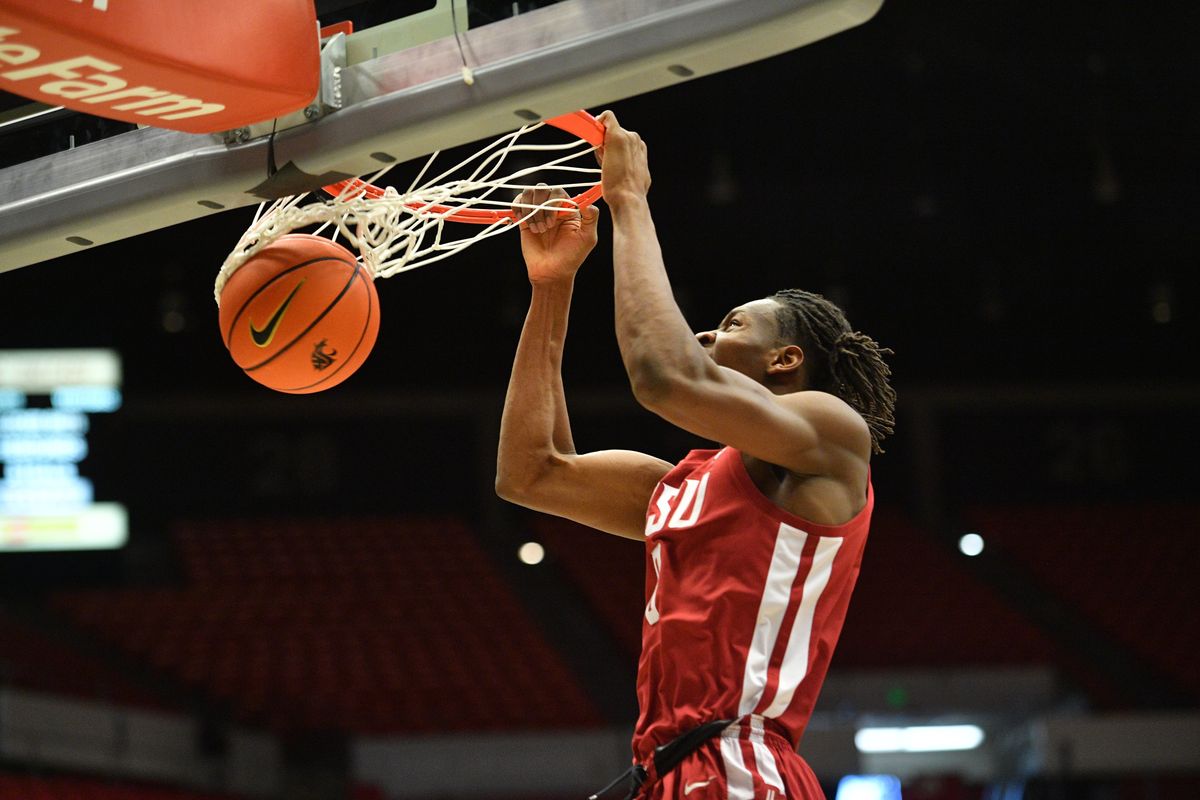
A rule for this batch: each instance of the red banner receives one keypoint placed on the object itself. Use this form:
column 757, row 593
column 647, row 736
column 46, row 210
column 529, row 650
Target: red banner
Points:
column 189, row 66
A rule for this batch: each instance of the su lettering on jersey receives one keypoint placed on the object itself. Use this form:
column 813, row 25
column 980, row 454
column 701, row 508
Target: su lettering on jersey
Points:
column 678, row 507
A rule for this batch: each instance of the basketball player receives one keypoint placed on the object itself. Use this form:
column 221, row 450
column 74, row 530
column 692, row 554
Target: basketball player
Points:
column 752, row 549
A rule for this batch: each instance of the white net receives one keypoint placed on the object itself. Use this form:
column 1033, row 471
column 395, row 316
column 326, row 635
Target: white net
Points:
column 394, row 231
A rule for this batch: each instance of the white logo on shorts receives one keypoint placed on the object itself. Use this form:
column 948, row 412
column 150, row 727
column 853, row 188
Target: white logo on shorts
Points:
column 687, row 787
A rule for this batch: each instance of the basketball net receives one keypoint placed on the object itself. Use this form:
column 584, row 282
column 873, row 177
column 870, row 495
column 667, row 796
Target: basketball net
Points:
column 395, row 231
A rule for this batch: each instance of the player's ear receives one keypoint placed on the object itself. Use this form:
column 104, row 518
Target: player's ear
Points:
column 786, row 359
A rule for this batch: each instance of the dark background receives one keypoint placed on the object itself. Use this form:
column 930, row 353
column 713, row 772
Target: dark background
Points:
column 1000, row 193
column 1005, row 194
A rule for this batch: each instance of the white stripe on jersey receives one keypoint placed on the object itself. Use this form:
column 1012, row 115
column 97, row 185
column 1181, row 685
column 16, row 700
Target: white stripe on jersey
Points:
column 738, row 779
column 763, row 757
column 785, row 561
column 795, row 658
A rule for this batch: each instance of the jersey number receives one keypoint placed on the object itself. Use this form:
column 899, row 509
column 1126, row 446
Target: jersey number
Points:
column 674, row 515
column 652, row 606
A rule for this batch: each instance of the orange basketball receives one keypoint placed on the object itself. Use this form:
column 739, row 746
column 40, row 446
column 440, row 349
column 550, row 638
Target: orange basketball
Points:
column 301, row 315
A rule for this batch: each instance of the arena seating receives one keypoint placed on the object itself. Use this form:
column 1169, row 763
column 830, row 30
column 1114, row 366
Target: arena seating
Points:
column 368, row 625
column 64, row 787
column 915, row 605
column 379, row 625
column 609, row 571
column 32, row 660
column 1129, row 569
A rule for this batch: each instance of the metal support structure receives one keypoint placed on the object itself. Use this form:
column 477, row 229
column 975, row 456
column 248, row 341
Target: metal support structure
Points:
column 401, row 105
column 33, row 114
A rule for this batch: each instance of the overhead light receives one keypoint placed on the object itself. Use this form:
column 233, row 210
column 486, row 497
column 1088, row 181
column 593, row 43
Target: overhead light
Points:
column 531, row 553
column 918, row 739
column 868, row 787
column 970, row 544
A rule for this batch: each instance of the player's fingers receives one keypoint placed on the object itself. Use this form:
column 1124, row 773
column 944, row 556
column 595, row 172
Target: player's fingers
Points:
column 519, row 211
column 561, row 208
column 524, row 209
column 553, row 202
column 537, row 197
column 613, row 131
column 558, row 198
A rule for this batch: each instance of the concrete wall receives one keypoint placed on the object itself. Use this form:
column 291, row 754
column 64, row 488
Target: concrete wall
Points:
column 1117, row 744
column 105, row 739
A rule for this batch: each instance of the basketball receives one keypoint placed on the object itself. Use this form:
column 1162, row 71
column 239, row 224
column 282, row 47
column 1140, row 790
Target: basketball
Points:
column 301, row 315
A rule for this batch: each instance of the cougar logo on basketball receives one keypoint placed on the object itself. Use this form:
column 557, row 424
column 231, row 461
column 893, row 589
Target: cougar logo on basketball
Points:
column 263, row 336
column 84, row 78
column 321, row 359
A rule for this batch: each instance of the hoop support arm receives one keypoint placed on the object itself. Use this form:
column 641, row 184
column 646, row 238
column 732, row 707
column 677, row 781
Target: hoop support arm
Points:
column 579, row 53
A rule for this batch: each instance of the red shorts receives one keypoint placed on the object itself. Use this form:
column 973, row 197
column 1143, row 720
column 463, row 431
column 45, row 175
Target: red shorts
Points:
column 746, row 762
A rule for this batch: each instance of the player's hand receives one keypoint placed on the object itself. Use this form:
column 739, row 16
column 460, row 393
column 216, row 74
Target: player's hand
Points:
column 554, row 243
column 624, row 167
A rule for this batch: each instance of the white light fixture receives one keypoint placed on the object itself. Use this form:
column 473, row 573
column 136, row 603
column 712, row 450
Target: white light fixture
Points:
column 919, row 739
column 531, row 553
column 971, row 544
column 868, row 787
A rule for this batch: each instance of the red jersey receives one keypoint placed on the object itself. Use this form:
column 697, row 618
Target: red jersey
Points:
column 744, row 603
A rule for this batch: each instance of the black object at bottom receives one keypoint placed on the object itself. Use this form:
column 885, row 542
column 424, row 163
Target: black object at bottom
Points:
column 666, row 758
column 631, row 780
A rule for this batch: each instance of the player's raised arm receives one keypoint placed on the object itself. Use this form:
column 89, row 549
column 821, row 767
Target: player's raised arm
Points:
column 537, row 465
column 745, row 384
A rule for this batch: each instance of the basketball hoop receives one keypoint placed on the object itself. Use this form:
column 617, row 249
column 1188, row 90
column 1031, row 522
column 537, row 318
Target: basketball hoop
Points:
column 395, row 231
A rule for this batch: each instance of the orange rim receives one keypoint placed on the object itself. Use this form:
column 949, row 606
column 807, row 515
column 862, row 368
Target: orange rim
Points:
column 579, row 123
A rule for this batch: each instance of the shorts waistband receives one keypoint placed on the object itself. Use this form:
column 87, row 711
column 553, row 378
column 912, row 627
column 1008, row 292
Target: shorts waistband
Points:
column 753, row 726
column 756, row 727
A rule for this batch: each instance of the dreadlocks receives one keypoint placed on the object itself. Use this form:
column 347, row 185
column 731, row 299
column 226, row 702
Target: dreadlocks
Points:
column 841, row 361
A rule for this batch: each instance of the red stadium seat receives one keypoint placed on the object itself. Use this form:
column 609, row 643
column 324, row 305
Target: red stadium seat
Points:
column 392, row 624
column 1118, row 565
column 33, row 660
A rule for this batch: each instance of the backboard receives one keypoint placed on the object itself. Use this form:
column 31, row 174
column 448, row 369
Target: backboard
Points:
column 394, row 92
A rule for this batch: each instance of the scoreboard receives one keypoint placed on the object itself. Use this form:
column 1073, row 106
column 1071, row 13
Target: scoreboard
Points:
column 47, row 401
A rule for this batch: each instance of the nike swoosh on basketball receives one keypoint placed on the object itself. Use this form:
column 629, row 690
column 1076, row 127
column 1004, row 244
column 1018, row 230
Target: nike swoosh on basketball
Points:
column 687, row 787
column 263, row 336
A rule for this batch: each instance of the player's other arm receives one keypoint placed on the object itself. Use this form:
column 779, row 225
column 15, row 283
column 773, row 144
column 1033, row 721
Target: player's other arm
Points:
column 537, row 465
column 810, row 433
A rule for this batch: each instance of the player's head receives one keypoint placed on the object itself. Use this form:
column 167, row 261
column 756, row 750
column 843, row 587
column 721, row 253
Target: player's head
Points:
column 797, row 340
column 838, row 359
